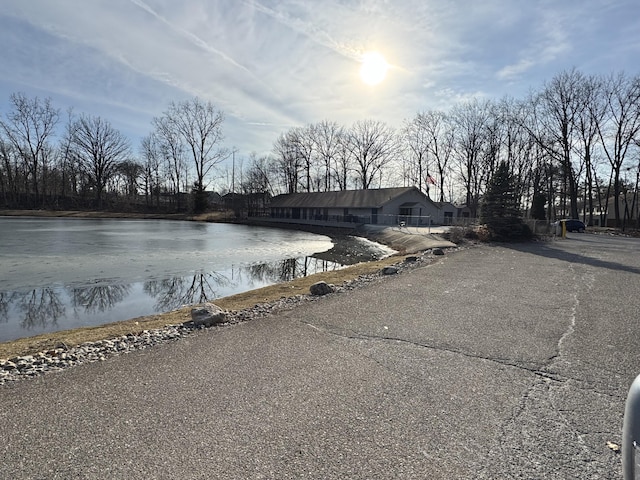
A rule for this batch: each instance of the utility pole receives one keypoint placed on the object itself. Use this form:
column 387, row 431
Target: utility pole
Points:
column 233, row 170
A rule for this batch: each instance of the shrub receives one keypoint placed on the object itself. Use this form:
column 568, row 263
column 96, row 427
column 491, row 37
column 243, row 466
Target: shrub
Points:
column 460, row 234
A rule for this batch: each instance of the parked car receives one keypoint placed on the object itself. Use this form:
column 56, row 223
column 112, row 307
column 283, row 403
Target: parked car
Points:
column 574, row 225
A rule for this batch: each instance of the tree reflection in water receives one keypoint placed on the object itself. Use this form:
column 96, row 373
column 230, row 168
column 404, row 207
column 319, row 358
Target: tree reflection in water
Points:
column 99, row 298
column 203, row 287
column 45, row 307
column 289, row 269
column 174, row 292
column 40, row 307
column 5, row 300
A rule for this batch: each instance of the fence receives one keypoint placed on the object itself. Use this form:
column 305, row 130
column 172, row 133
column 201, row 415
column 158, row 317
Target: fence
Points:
column 351, row 220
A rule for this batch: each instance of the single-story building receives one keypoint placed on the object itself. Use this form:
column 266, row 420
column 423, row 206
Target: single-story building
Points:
column 384, row 206
column 449, row 212
column 629, row 207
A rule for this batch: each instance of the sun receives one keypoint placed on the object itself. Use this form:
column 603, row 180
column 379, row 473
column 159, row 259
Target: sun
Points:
column 374, row 68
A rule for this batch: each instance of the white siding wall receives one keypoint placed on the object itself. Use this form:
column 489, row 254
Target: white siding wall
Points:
column 422, row 208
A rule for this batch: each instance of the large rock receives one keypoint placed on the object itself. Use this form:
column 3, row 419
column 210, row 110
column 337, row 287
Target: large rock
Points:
column 321, row 288
column 207, row 315
column 390, row 270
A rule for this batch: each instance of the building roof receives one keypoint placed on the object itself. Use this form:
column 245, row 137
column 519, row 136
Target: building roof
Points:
column 372, row 198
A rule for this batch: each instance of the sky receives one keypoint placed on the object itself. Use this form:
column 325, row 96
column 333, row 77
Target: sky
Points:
column 273, row 65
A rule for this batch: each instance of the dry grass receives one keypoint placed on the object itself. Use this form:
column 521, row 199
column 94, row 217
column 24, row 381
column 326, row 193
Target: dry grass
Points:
column 30, row 345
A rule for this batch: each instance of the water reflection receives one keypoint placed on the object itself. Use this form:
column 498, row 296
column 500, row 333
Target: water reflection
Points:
column 50, row 309
column 98, row 298
column 38, row 308
column 289, row 269
column 174, row 292
column 4, row 306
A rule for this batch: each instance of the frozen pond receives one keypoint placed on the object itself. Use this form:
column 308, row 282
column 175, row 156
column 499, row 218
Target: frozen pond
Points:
column 60, row 273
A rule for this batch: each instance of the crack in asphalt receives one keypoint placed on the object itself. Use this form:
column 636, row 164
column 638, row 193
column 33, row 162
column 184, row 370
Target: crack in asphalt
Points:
column 544, row 376
column 501, row 361
column 507, row 426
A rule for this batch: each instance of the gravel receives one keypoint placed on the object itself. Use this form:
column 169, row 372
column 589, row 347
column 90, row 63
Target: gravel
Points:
column 62, row 357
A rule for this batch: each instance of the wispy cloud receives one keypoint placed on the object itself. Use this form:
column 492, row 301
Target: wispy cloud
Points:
column 194, row 39
column 546, row 41
column 308, row 25
column 274, row 64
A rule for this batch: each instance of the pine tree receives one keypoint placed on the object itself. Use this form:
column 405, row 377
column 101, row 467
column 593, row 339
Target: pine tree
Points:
column 500, row 207
column 537, row 206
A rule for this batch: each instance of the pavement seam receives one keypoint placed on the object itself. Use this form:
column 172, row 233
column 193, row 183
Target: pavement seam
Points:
column 501, row 361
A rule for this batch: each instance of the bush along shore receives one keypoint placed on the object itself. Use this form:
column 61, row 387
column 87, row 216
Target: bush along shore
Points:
column 64, row 356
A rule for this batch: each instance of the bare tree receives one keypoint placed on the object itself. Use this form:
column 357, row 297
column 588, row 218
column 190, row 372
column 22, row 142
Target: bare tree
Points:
column 131, row 172
column 28, row 127
column 416, row 140
column 328, row 137
column 587, row 127
column 99, row 150
column 258, row 177
column 373, row 145
column 470, row 126
column 287, row 161
column 66, row 161
column 556, row 110
column 152, row 158
column 518, row 149
column 619, row 133
column 199, row 124
column 342, row 162
column 304, row 145
column 169, row 143
column 440, row 137
column 9, row 173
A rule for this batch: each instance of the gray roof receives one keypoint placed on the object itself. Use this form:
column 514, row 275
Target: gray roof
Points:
column 372, row 198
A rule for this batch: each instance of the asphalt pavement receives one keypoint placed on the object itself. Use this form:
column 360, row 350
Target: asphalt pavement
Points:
column 494, row 362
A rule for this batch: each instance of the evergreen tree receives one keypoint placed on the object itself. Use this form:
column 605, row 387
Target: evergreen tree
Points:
column 500, row 210
column 537, row 206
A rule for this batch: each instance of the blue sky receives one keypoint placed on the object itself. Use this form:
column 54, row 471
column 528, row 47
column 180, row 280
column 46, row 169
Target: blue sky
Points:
column 272, row 65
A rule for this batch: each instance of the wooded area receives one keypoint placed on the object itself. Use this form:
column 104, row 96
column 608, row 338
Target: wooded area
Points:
column 571, row 146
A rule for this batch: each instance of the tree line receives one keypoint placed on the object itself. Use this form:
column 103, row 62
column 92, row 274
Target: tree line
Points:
column 90, row 164
column 570, row 146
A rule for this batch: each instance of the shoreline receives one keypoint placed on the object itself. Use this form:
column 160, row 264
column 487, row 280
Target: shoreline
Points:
column 34, row 356
column 235, row 303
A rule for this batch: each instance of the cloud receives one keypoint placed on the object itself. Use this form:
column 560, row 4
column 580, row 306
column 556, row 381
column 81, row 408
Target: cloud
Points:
column 274, row 64
column 194, row 39
column 546, row 41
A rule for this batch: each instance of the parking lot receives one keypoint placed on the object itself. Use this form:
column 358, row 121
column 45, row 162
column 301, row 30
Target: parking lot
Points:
column 501, row 361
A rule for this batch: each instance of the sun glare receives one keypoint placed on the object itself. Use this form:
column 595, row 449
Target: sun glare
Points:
column 374, row 68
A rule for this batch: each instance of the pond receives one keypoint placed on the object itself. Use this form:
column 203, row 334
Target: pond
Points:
column 62, row 273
